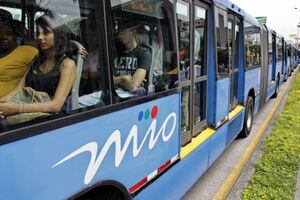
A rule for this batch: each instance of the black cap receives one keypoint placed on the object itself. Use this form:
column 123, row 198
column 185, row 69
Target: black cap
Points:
column 125, row 24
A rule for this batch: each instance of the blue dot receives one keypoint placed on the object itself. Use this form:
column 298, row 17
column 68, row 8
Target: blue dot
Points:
column 140, row 117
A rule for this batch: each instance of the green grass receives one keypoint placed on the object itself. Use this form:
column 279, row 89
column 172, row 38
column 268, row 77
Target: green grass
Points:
column 276, row 173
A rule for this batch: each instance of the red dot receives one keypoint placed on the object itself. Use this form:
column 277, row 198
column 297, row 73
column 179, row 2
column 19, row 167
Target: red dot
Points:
column 154, row 111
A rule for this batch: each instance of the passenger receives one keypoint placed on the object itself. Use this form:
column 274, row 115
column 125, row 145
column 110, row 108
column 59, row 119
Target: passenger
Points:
column 14, row 59
column 133, row 61
column 50, row 79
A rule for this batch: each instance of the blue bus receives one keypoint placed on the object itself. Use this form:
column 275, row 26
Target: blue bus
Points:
column 159, row 89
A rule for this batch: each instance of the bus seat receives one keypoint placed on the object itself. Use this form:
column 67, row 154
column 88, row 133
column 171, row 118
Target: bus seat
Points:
column 146, row 37
column 143, row 39
column 79, row 64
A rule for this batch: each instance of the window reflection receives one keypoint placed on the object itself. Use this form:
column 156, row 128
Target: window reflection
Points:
column 199, row 47
column 252, row 45
column 222, row 42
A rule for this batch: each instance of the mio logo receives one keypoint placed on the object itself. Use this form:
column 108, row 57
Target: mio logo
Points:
column 115, row 138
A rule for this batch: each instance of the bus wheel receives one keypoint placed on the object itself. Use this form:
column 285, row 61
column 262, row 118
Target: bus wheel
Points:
column 248, row 120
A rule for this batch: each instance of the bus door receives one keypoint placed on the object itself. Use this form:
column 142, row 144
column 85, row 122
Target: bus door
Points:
column 200, row 67
column 265, row 65
column 193, row 67
column 234, row 44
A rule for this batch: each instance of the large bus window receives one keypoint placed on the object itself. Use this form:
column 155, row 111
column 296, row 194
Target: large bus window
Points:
column 279, row 49
column 230, row 24
column 62, row 70
column 222, row 41
column 200, row 69
column 16, row 14
column 270, row 47
column 200, row 40
column 183, row 21
column 20, row 26
column 289, row 51
column 252, row 45
column 145, row 56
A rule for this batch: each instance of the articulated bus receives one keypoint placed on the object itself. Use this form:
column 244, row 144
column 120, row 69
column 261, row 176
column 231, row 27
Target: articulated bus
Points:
column 208, row 67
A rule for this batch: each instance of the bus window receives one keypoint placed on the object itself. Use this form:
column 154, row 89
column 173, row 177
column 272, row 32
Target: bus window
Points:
column 183, row 21
column 200, row 69
column 21, row 28
column 279, row 49
column 64, row 72
column 145, row 58
column 16, row 14
column 222, row 44
column 252, row 45
column 270, row 49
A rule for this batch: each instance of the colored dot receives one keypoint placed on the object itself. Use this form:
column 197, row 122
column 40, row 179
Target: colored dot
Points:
column 140, row 117
column 154, row 111
column 147, row 114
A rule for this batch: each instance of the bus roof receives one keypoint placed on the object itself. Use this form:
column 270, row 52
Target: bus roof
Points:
column 231, row 6
column 234, row 8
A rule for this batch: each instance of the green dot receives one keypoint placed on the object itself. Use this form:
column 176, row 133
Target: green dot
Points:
column 147, row 114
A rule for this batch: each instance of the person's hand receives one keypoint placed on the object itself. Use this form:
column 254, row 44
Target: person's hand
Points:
column 84, row 53
column 7, row 109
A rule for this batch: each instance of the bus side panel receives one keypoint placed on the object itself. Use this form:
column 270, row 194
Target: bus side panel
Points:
column 288, row 65
column 278, row 70
column 125, row 146
column 218, row 143
column 235, row 125
column 174, row 183
column 252, row 81
column 222, row 105
column 270, row 79
column 270, row 91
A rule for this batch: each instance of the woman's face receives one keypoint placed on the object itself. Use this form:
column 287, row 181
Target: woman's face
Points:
column 46, row 38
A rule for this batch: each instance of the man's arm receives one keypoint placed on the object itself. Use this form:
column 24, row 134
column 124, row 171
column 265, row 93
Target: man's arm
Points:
column 131, row 83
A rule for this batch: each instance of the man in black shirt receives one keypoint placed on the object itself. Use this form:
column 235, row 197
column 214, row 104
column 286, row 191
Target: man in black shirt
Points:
column 133, row 61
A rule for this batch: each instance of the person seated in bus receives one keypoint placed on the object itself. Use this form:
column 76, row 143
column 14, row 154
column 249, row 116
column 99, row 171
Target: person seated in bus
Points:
column 47, row 84
column 133, row 61
column 14, row 59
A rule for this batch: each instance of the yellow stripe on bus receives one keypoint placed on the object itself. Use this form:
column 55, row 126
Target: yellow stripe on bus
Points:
column 236, row 111
column 197, row 141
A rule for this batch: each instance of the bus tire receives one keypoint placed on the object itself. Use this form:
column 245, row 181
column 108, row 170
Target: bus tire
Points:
column 248, row 119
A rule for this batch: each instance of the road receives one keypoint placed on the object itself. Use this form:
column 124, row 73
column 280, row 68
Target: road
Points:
column 209, row 184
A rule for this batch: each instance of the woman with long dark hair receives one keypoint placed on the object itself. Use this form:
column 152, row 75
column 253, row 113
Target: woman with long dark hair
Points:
column 50, row 79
